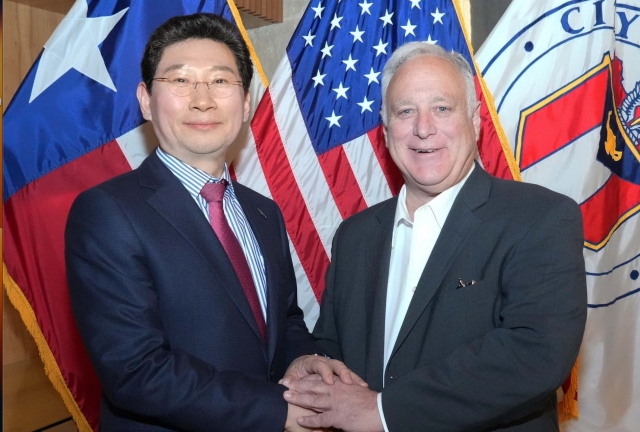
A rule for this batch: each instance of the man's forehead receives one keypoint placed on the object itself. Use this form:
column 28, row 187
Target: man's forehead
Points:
column 187, row 68
column 196, row 52
column 429, row 67
column 423, row 96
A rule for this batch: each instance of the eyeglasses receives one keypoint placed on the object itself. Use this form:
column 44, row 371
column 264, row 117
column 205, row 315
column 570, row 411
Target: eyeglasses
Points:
column 184, row 86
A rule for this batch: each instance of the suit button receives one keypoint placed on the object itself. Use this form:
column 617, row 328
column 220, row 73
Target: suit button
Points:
column 391, row 377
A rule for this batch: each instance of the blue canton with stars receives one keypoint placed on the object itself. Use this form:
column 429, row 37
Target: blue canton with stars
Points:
column 339, row 50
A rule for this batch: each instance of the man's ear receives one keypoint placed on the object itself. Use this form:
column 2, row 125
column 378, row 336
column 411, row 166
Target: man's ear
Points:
column 384, row 132
column 475, row 117
column 144, row 99
column 247, row 106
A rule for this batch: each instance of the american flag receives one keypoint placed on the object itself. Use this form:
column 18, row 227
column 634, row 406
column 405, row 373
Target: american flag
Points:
column 318, row 131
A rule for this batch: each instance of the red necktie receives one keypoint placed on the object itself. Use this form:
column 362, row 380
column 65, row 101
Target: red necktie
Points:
column 213, row 193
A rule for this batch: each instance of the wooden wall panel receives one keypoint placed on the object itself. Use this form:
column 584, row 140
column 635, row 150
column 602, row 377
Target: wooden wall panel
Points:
column 268, row 10
column 57, row 6
column 18, row 345
column 26, row 30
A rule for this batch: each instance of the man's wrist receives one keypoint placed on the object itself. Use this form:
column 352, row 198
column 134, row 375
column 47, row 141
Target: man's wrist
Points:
column 384, row 422
column 319, row 354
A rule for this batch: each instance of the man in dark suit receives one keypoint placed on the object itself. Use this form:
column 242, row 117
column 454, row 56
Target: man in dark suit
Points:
column 181, row 280
column 462, row 302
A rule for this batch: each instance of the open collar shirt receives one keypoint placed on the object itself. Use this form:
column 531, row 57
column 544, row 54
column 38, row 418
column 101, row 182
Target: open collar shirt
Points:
column 411, row 247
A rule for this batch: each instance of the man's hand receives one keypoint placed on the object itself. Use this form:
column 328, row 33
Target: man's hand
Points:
column 352, row 408
column 293, row 413
column 310, row 364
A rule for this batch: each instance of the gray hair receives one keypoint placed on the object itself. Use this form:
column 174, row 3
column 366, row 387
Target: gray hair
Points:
column 415, row 49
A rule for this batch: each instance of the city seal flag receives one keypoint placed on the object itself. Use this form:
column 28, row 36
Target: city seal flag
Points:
column 565, row 76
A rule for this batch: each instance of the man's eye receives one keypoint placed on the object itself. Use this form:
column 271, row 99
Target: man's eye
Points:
column 443, row 111
column 220, row 81
column 180, row 80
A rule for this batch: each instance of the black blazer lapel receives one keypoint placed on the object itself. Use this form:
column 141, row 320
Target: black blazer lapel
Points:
column 172, row 201
column 460, row 223
column 378, row 254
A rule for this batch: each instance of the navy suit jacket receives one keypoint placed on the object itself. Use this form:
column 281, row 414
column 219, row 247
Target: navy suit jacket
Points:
column 163, row 316
column 486, row 356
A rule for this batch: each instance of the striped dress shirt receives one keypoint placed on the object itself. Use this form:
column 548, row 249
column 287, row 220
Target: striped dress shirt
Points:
column 193, row 180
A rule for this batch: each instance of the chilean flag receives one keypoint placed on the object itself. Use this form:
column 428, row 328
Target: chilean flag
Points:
column 73, row 123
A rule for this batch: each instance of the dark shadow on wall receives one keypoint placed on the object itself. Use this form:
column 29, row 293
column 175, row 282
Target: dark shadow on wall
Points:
column 484, row 16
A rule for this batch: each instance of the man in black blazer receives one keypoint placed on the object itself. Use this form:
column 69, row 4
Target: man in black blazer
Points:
column 185, row 333
column 462, row 302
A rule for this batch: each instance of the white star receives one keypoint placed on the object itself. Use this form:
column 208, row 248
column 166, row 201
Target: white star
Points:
column 309, row 38
column 386, row 19
column 351, row 63
column 335, row 22
column 74, row 45
column 437, row 16
column 341, row 91
column 318, row 10
column 333, row 120
column 381, row 48
column 318, row 79
column 326, row 51
column 372, row 76
column 365, row 7
column 431, row 41
column 415, row 3
column 366, row 105
column 357, row 35
column 408, row 29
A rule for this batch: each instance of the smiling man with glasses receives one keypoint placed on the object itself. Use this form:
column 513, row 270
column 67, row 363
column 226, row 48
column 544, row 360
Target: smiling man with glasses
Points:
column 181, row 279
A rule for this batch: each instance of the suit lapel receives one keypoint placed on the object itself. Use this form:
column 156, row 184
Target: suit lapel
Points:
column 378, row 254
column 260, row 225
column 172, row 201
column 460, row 223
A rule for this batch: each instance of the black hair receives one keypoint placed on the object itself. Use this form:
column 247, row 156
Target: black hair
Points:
column 196, row 26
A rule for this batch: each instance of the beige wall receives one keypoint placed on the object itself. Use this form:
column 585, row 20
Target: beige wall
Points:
column 271, row 41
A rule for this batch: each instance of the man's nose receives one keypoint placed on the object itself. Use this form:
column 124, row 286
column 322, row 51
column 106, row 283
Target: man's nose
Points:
column 202, row 98
column 424, row 126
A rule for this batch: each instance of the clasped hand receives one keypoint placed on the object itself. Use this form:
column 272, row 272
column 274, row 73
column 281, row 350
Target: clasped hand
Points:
column 318, row 400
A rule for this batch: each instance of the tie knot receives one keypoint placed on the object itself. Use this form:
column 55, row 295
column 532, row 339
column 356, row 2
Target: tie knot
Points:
column 214, row 191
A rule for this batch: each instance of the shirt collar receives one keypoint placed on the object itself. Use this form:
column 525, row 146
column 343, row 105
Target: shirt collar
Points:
column 192, row 178
column 440, row 205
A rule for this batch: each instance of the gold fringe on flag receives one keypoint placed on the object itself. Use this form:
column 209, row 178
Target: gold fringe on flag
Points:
column 51, row 368
column 491, row 106
column 568, row 407
column 245, row 36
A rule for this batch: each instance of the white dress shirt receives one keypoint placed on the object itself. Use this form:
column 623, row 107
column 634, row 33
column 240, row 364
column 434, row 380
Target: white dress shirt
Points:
column 411, row 247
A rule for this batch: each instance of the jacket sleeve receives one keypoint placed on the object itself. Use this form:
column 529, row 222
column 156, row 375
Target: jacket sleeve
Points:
column 299, row 340
column 325, row 331
column 117, row 313
column 510, row 371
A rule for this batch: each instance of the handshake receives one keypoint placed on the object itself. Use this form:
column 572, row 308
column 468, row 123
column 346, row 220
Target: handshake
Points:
column 323, row 393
